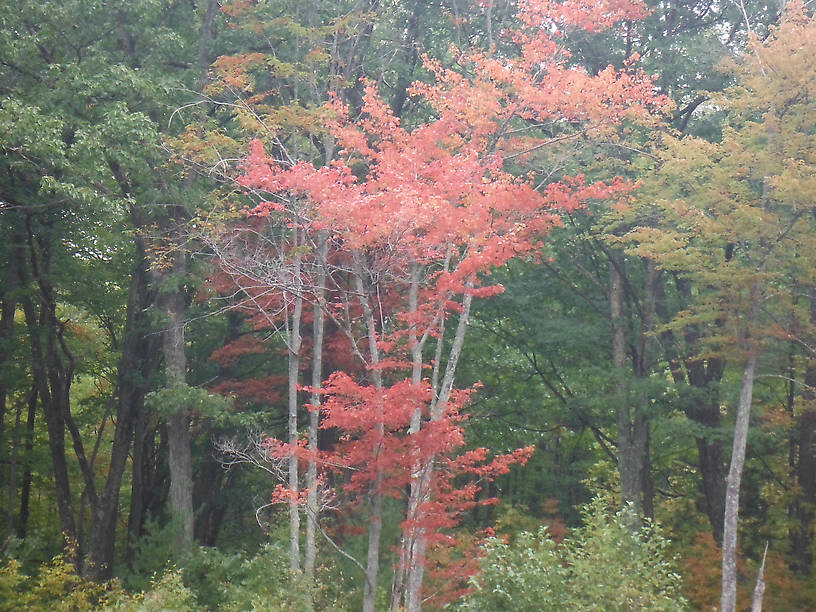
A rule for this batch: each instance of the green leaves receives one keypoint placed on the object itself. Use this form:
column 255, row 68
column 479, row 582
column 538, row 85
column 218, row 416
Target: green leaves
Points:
column 602, row 566
column 169, row 400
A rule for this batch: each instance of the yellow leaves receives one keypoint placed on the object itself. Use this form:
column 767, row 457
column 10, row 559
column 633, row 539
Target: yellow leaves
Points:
column 205, row 148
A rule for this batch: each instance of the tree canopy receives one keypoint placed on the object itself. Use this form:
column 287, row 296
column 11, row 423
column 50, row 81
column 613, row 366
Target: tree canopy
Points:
column 390, row 305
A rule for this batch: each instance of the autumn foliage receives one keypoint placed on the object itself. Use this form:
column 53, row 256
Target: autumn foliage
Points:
column 414, row 221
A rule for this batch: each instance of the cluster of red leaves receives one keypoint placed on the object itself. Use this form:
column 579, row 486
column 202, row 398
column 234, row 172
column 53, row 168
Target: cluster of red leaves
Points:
column 438, row 198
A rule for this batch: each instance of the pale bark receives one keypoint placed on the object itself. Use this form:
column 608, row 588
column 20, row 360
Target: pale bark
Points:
column 375, row 522
column 732, row 489
column 759, row 588
column 439, row 403
column 406, row 542
column 294, row 341
column 318, row 330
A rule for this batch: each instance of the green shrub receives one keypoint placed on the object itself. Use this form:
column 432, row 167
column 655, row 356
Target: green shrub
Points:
column 56, row 587
column 168, row 594
column 601, row 567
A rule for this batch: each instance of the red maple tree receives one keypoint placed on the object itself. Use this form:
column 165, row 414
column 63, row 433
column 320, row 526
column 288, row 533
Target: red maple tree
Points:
column 403, row 229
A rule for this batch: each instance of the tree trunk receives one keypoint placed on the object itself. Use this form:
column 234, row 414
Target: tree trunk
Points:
column 142, row 492
column 439, row 403
column 52, row 379
column 207, row 490
column 294, row 342
column 732, row 493
column 133, row 372
column 375, row 522
column 633, row 429
column 318, row 331
column 172, row 303
column 8, row 307
column 805, row 432
column 14, row 461
column 759, row 588
column 705, row 375
column 25, row 489
column 414, row 495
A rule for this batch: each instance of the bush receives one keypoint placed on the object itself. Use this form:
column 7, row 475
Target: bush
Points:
column 601, row 567
column 55, row 587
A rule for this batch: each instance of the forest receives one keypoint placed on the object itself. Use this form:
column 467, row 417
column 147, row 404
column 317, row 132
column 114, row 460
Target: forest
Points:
column 408, row 304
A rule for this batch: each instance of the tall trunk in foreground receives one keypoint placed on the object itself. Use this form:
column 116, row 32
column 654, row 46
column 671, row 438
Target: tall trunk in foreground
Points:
column 732, row 489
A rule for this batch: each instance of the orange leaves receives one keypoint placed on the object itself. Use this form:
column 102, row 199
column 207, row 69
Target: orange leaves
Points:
column 589, row 15
column 233, row 70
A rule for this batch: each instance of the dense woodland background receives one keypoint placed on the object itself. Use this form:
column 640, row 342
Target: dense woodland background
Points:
column 209, row 210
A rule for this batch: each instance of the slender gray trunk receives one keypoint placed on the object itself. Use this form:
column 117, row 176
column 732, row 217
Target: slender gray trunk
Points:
column 759, row 588
column 294, row 342
column 375, row 522
column 732, row 488
column 416, row 564
column 318, row 329
column 414, row 496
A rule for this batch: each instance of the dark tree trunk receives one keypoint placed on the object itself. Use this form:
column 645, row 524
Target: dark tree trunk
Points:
column 51, row 377
column 704, row 410
column 410, row 57
column 805, row 467
column 144, row 498
column 134, row 370
column 25, row 489
column 207, row 490
column 633, row 427
column 8, row 306
column 172, row 303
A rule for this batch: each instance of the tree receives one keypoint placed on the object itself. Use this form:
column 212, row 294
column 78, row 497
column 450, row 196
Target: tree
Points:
column 434, row 213
column 83, row 111
column 750, row 209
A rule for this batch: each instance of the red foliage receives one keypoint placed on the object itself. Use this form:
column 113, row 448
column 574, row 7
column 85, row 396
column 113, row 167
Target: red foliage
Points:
column 436, row 199
column 229, row 354
column 266, row 390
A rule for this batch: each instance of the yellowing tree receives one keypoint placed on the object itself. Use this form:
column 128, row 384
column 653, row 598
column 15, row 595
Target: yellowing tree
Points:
column 736, row 218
